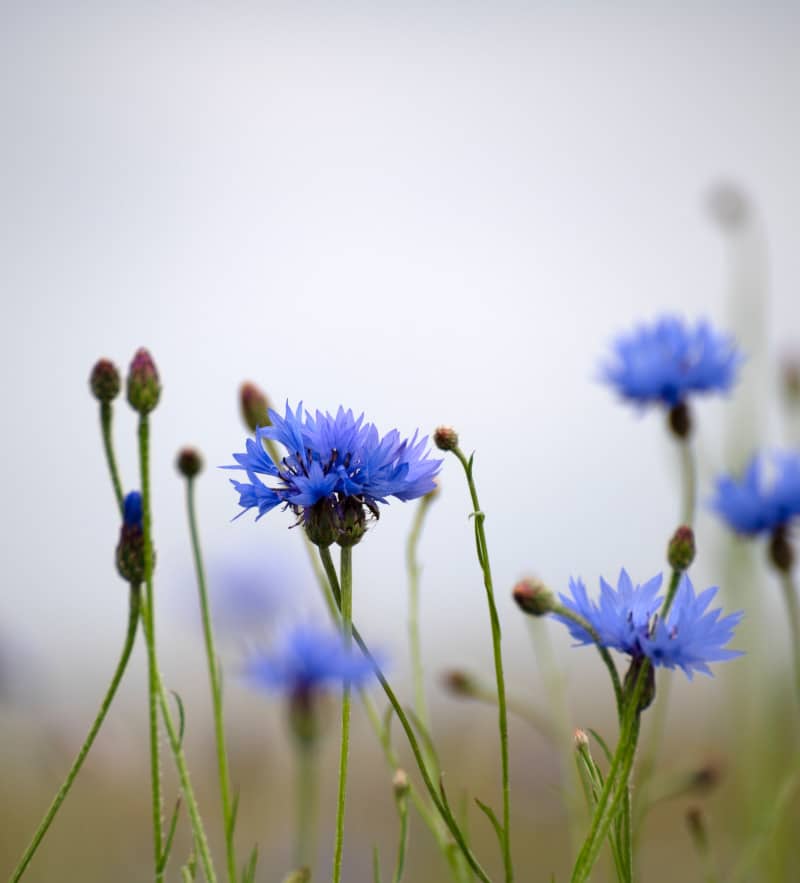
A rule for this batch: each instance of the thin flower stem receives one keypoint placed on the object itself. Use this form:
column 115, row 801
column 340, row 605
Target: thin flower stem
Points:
column 566, row 613
column 215, row 683
column 305, row 758
column 130, row 637
column 148, row 624
column 346, row 571
column 402, row 809
column 106, row 420
column 413, row 567
column 793, row 611
column 689, row 481
column 437, row 800
column 615, row 787
column 674, row 582
column 200, row 840
column 483, row 559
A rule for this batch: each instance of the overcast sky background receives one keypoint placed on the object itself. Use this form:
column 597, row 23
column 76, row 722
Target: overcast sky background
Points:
column 428, row 212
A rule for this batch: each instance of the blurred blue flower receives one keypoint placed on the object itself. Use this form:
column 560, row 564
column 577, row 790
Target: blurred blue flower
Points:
column 626, row 619
column 668, row 361
column 764, row 498
column 309, row 658
column 336, row 462
column 132, row 509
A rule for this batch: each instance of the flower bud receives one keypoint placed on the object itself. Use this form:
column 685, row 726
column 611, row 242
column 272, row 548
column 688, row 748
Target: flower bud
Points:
column 445, row 438
column 459, row 683
column 104, row 381
column 400, row 783
column 680, row 421
column 144, row 387
column 189, row 462
column 533, row 597
column 254, row 406
column 130, row 548
column 580, row 739
column 681, row 548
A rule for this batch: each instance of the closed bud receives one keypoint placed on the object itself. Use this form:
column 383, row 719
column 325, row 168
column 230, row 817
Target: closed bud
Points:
column 189, row 462
column 445, row 438
column 104, row 381
column 459, row 683
column 130, row 548
column 533, row 597
column 254, row 406
column 400, row 783
column 580, row 739
column 681, row 548
column 144, row 387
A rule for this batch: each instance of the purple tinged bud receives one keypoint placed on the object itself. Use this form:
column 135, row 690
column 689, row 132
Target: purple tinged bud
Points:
column 254, row 406
column 130, row 548
column 681, row 549
column 445, row 438
column 459, row 683
column 144, row 386
column 104, row 381
column 580, row 739
column 189, row 462
column 533, row 597
column 400, row 783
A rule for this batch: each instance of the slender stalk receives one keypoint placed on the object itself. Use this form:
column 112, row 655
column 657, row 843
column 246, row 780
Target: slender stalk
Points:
column 483, row 559
column 148, row 623
column 413, row 567
column 305, row 755
column 402, row 809
column 689, row 481
column 216, row 685
column 439, row 803
column 346, row 570
column 106, row 419
column 127, row 647
column 793, row 612
column 200, row 839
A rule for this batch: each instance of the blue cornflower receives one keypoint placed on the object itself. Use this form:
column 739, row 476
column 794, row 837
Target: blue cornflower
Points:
column 626, row 619
column 765, row 498
column 336, row 469
column 132, row 509
column 309, row 659
column 668, row 361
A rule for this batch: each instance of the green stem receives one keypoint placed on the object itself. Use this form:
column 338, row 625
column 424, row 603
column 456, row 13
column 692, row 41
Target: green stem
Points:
column 201, row 842
column 412, row 564
column 130, row 636
column 106, row 419
column 346, row 569
column 216, row 686
column 402, row 809
column 305, row 754
column 689, row 481
column 148, row 622
column 483, row 559
column 437, row 800
column 793, row 610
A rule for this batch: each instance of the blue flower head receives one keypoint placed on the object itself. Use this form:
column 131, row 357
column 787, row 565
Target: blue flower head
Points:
column 336, row 470
column 765, row 498
column 132, row 510
column 626, row 619
column 309, row 659
column 666, row 362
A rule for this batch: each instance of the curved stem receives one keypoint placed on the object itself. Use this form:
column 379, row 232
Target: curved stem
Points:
column 441, row 807
column 148, row 623
column 483, row 559
column 130, row 636
column 346, row 570
column 216, row 686
column 106, row 419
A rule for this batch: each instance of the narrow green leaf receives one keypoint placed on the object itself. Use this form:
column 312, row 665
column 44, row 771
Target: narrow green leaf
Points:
column 181, row 716
column 490, row 814
column 601, row 742
column 249, row 873
column 173, row 824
